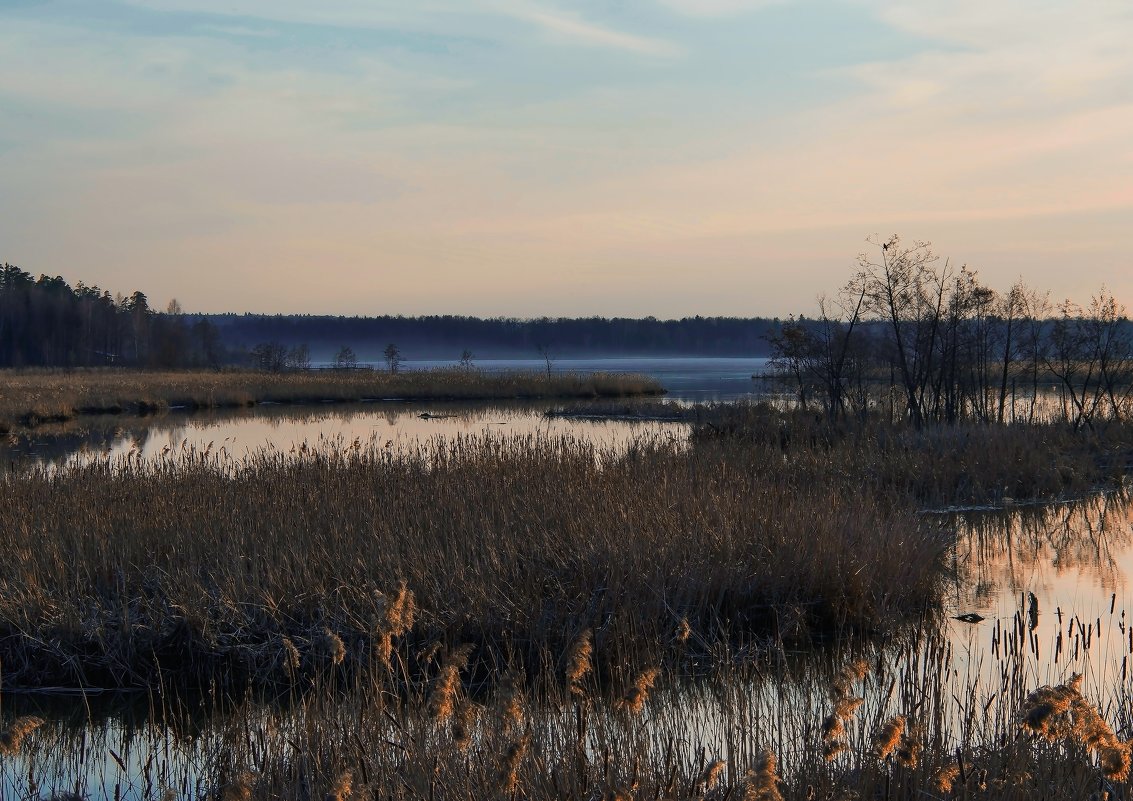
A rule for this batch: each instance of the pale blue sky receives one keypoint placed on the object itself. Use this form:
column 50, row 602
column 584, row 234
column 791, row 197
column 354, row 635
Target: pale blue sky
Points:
column 667, row 157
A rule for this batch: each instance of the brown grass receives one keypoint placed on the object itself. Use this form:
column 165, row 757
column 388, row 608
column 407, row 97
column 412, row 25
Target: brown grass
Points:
column 194, row 569
column 31, row 397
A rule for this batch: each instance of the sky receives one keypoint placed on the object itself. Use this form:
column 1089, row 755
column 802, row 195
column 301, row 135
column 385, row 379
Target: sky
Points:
column 602, row 157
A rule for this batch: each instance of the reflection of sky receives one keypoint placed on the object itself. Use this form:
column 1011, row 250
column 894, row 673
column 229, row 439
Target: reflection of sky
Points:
column 399, row 428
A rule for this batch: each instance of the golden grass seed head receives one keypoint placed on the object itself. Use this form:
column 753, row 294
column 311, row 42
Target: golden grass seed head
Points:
column 832, row 748
column 331, row 646
column 710, row 776
column 510, row 764
column 888, row 737
column 463, row 724
column 578, row 662
column 12, row 737
column 291, row 657
column 832, row 728
column 1115, row 762
column 342, row 787
column 945, row 777
column 239, row 789
column 846, row 707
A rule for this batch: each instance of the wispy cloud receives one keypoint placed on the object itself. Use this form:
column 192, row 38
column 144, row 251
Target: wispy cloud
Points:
column 578, row 31
column 718, row 8
column 432, row 15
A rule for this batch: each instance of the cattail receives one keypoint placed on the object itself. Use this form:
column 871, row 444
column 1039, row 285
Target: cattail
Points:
column 291, row 658
column 635, row 697
column 239, row 789
column 513, row 759
column 13, row 736
column 945, row 777
column 342, row 787
column 331, row 645
column 578, row 662
column 447, row 684
column 684, row 630
column 888, row 737
column 711, row 775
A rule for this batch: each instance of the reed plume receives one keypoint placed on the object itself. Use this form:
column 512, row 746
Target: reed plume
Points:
column 578, row 661
column 239, row 789
column 887, row 739
column 512, row 761
column 762, row 782
column 845, row 705
column 342, row 787
column 447, row 685
column 463, row 722
column 13, row 736
column 634, row 699
column 945, row 777
column 908, row 752
column 710, row 776
column 291, row 658
column 511, row 701
column 394, row 618
column 332, row 646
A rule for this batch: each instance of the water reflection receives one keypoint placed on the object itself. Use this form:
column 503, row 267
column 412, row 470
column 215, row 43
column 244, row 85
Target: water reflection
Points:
column 236, row 434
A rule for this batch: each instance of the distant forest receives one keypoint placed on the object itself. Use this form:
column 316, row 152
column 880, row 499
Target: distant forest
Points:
column 447, row 336
column 46, row 322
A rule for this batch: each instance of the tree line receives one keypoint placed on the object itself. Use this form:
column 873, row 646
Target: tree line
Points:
column 46, row 322
column 936, row 344
column 447, row 336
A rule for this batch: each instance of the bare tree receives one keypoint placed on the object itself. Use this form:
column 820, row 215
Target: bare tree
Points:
column 393, row 358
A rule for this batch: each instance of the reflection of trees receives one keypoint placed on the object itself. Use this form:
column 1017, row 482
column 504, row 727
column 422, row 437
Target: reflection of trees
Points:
column 1006, row 550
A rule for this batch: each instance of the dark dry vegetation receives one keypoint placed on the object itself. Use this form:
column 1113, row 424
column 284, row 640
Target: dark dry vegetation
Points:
column 538, row 619
column 32, row 397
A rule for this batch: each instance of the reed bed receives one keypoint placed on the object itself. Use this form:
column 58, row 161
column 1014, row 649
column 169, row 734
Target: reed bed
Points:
column 191, row 568
column 31, row 397
column 910, row 726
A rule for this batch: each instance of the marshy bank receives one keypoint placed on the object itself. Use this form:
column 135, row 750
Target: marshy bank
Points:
column 31, row 397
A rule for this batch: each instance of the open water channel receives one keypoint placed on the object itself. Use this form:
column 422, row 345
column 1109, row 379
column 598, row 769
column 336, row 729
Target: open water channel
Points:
column 1047, row 586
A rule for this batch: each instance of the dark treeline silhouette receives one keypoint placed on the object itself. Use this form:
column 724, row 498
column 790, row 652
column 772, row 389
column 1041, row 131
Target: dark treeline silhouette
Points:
column 448, row 336
column 931, row 343
column 46, row 322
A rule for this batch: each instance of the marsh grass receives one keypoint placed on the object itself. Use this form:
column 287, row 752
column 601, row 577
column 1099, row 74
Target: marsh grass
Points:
column 31, row 397
column 920, row 730
column 189, row 568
